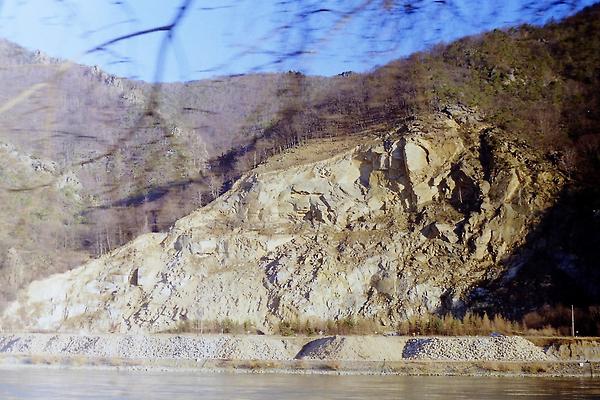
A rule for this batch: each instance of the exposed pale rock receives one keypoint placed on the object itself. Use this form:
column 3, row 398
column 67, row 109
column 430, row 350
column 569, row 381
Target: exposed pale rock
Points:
column 415, row 158
column 391, row 228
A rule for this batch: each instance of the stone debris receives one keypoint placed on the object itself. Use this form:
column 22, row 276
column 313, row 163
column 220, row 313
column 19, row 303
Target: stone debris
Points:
column 257, row 347
column 150, row 346
column 496, row 348
column 350, row 348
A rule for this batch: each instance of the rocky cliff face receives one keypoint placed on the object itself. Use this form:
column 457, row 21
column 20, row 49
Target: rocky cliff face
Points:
column 373, row 227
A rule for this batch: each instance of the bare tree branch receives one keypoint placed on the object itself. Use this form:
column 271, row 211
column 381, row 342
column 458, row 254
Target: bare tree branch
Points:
column 165, row 28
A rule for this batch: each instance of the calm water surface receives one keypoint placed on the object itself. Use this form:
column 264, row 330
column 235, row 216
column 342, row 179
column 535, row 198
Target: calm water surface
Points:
column 99, row 384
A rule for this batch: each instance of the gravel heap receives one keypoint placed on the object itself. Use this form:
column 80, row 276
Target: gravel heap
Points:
column 352, row 348
column 229, row 347
column 499, row 348
column 157, row 346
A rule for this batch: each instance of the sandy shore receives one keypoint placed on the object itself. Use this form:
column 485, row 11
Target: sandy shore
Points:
column 479, row 355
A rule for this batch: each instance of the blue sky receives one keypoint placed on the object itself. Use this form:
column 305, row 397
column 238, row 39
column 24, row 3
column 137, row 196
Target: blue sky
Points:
column 231, row 37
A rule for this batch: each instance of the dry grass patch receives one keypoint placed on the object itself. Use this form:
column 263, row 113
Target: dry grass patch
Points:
column 497, row 366
column 534, row 368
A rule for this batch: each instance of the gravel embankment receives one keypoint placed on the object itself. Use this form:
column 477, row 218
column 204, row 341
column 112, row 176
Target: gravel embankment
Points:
column 151, row 347
column 502, row 348
column 248, row 347
column 351, row 348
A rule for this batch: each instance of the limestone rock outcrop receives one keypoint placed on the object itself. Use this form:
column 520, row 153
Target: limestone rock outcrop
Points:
column 387, row 228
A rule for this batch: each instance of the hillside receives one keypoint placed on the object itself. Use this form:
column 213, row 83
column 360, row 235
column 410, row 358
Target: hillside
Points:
column 144, row 155
column 369, row 229
column 463, row 178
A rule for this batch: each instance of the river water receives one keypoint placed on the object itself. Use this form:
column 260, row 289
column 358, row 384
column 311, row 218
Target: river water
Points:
column 65, row 384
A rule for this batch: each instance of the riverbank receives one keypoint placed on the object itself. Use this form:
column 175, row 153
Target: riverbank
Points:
column 475, row 356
